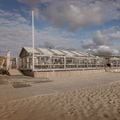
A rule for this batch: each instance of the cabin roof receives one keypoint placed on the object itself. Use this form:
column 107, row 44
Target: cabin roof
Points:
column 53, row 52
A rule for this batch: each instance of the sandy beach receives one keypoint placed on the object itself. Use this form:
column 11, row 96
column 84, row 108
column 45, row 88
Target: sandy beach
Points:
column 97, row 101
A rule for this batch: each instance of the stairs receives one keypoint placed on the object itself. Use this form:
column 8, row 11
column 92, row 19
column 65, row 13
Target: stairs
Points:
column 14, row 72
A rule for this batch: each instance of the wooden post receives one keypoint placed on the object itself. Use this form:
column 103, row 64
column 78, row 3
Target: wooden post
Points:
column 65, row 62
column 8, row 60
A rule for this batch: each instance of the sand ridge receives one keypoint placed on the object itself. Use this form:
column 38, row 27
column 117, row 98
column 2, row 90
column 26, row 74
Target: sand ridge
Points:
column 95, row 103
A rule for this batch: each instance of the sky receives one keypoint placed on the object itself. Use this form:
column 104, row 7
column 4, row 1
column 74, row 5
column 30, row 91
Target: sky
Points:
column 86, row 25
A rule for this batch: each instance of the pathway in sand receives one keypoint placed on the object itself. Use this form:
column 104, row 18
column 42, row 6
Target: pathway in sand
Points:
column 8, row 93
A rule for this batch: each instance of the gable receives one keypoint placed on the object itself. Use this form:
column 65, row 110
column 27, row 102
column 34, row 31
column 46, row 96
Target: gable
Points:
column 23, row 53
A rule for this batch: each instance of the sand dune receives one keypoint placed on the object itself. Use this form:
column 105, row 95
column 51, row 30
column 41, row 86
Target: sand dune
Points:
column 97, row 103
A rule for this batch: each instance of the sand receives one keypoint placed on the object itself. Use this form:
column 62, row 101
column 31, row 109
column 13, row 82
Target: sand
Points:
column 87, row 97
column 97, row 103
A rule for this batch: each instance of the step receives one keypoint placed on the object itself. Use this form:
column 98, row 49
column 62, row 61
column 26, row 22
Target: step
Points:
column 14, row 72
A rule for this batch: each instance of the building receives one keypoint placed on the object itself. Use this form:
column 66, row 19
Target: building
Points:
column 52, row 59
column 57, row 62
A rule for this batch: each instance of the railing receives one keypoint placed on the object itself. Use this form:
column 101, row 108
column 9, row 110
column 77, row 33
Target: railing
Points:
column 64, row 64
column 67, row 66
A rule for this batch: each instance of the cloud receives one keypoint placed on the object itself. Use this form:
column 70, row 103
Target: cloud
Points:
column 16, row 33
column 15, row 30
column 77, row 13
column 102, row 42
column 10, row 19
column 115, row 35
column 100, row 38
column 105, row 50
column 88, row 44
column 29, row 2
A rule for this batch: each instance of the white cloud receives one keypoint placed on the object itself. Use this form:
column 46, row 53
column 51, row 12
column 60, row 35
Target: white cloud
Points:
column 77, row 13
column 102, row 42
column 10, row 19
column 115, row 35
column 105, row 50
column 73, row 14
column 16, row 33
